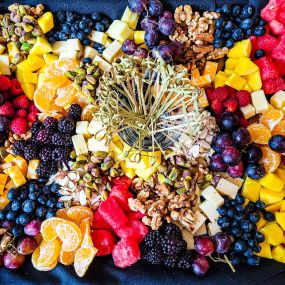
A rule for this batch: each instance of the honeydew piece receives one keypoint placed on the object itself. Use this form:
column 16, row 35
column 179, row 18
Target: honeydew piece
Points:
column 27, row 77
column 280, row 219
column 272, row 182
column 10, row 185
column 2, row 48
column 188, row 238
column 202, row 99
column 41, row 46
column 71, row 54
column 202, row 81
column 251, row 189
column 282, row 206
column 248, row 111
column 33, row 165
column 3, row 179
column 240, row 49
column 59, row 46
column 108, row 42
column 213, row 196
column 227, row 188
column 98, row 37
column 112, row 51
column 79, row 144
column 245, row 67
column 97, row 145
column 273, row 233
column 74, row 44
column 5, row 64
column 235, row 81
column 254, row 81
column 278, row 253
column 90, row 52
column 119, row 31
column 211, row 69
column 209, row 210
column 46, row 22
column 270, row 197
column 82, row 127
column 278, row 100
column 139, row 37
column 130, row 18
column 259, row 101
column 103, row 64
column 199, row 220
column 265, row 250
column 201, row 231
column 220, row 79
column 213, row 228
column 231, row 63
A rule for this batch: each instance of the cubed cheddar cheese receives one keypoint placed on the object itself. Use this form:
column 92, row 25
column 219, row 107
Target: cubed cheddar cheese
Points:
column 202, row 99
column 248, row 111
column 79, row 144
column 199, row 220
column 139, row 37
column 130, row 172
column 4, row 201
column 112, row 51
column 16, row 175
column 2, row 187
column 273, row 233
column 211, row 69
column 195, row 73
column 202, row 81
column 259, row 101
column 33, row 165
column 272, row 182
column 3, row 179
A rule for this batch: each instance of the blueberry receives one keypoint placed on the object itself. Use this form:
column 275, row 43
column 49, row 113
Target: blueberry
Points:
column 259, row 53
column 236, row 10
column 259, row 31
column 231, row 213
column 86, row 42
column 80, row 35
column 218, row 34
column 17, row 221
column 46, row 189
column 246, row 24
column 59, row 205
column 235, row 260
column 41, row 212
column 240, row 208
column 248, row 252
column 226, row 9
column 218, row 43
column 51, row 202
column 259, row 237
column 11, row 215
column 83, row 25
column 219, row 10
column 253, row 260
column 235, row 223
column 87, row 30
column 63, row 36
column 33, row 188
column 246, row 226
column 254, row 217
column 256, row 248
column 84, row 17
column 236, row 232
column 51, row 40
column 96, row 16
column 55, row 187
column 238, row 20
column 222, row 211
column 76, row 27
column 106, row 22
column 233, row 203
column 100, row 27
column 70, row 17
column 223, row 222
column 73, row 35
column 239, row 199
column 250, row 207
column 247, row 12
column 260, row 205
column 61, row 16
column 66, row 28
column 268, row 216
column 255, row 171
column 42, row 199
column 9, row 207
column 50, row 213
column 219, row 23
column 28, row 206
column 239, row 216
column 229, row 26
column 261, row 23
column 246, row 236
column 16, row 205
column 2, row 214
column 17, row 231
column 252, row 243
column 13, row 194
column 237, row 34
column 227, row 35
column 239, row 246
column 249, row 32
column 23, row 219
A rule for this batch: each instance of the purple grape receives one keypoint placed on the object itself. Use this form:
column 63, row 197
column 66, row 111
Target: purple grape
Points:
column 229, row 121
column 231, row 156
column 204, row 245
column 167, row 15
column 137, row 6
column 277, row 143
column 155, row 8
column 165, row 52
column 177, row 49
column 217, row 164
column 149, row 23
column 236, row 171
column 223, row 140
column 129, row 47
column 151, row 38
column 33, row 228
column 253, row 154
column 13, row 261
column 222, row 242
column 141, row 53
column 241, row 136
column 255, row 171
column 200, row 265
column 27, row 245
column 167, row 26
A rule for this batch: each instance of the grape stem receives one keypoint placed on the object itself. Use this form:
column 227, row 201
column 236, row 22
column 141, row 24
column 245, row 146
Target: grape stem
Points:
column 225, row 260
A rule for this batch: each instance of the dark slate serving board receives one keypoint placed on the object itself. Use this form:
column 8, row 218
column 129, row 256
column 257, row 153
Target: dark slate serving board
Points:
column 103, row 270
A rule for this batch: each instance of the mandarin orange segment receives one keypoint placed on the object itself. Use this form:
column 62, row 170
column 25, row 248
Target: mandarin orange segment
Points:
column 48, row 228
column 271, row 117
column 270, row 159
column 49, row 252
column 86, row 233
column 66, row 258
column 259, row 133
column 62, row 213
column 79, row 213
column 35, row 257
column 55, row 82
column 65, row 95
column 279, row 129
column 83, row 258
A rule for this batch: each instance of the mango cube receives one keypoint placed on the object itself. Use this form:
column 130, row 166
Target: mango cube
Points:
column 130, row 18
column 231, row 63
column 41, row 46
column 220, row 79
column 247, row 88
column 202, row 81
column 139, row 37
column 32, row 63
column 46, row 22
column 278, row 253
column 278, row 100
column 245, row 67
column 228, row 72
column 281, row 173
column 9, row 158
column 235, row 81
column 254, row 81
column 280, row 218
column 282, row 206
column 119, row 31
column 240, row 49
column 273, row 234
column 2, row 48
column 273, row 207
column 251, row 189
column 16, row 175
column 270, row 197
column 211, row 69
column 3, row 179
column 261, row 223
column 26, row 77
column 29, row 89
column 265, row 250
column 272, row 182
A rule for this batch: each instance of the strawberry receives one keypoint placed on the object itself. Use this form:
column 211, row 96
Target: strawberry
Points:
column 32, row 117
column 16, row 88
column 5, row 83
column 209, row 92
column 244, row 98
column 231, row 104
column 33, row 107
column 19, row 126
column 22, row 113
column 21, row 102
column 7, row 110
column 243, row 122
column 221, row 94
column 217, row 107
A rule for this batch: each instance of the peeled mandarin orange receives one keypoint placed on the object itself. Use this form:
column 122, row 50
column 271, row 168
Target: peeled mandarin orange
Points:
column 270, row 159
column 48, row 228
column 279, row 129
column 62, row 213
column 271, row 117
column 65, row 95
column 86, row 233
column 35, row 257
column 87, row 112
column 83, row 258
column 79, row 213
column 49, row 252
column 259, row 133
column 66, row 258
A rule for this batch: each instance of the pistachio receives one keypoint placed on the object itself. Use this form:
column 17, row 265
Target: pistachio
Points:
column 87, row 85
column 89, row 184
column 70, row 75
column 208, row 177
column 173, row 174
column 31, row 41
column 15, row 17
column 95, row 172
column 113, row 172
column 104, row 195
column 79, row 78
column 22, row 10
column 18, row 31
column 91, row 79
column 106, row 165
column 87, row 177
column 181, row 190
column 90, row 69
column 27, row 27
column 29, row 19
column 108, row 186
column 17, row 58
column 5, row 33
column 36, row 32
column 81, row 157
column 13, row 7
column 26, row 46
column 72, row 154
column 161, row 178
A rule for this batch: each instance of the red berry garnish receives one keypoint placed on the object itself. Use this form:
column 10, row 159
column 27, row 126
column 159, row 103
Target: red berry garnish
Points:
column 231, row 104
column 244, row 98
column 221, row 93
column 19, row 126
column 209, row 92
column 204, row 245
column 16, row 88
column 7, row 110
column 217, row 107
column 32, row 117
column 5, row 83
column 22, row 113
column 21, row 102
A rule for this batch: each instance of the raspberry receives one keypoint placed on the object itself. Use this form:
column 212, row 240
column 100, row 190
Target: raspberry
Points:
column 232, row 91
column 44, row 136
column 19, row 126
column 75, row 112
column 244, row 98
column 209, row 92
column 32, row 107
column 7, row 110
column 22, row 113
column 221, row 94
column 32, row 117
column 217, row 107
column 5, row 83
column 231, row 104
column 21, row 102
column 16, row 88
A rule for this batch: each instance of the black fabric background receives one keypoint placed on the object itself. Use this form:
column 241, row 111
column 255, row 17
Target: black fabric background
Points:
column 103, row 270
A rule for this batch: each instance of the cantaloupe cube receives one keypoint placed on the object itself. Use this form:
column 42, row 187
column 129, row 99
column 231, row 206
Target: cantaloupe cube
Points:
column 211, row 69
column 278, row 253
column 220, row 79
column 270, row 197
column 273, row 233
column 254, row 81
column 265, row 250
column 272, row 181
column 245, row 67
column 202, row 81
column 280, row 218
column 240, row 49
column 235, row 81
column 3, row 179
column 273, row 207
column 46, row 22
column 251, row 189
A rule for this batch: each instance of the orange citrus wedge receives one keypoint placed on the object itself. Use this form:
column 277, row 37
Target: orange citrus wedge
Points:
column 79, row 213
column 259, row 133
column 270, row 159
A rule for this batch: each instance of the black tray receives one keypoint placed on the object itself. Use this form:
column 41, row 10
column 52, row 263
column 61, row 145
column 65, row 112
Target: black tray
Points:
column 103, row 271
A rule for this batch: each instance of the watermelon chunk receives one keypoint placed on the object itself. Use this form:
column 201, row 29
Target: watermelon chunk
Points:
column 281, row 17
column 266, row 42
column 135, row 230
column 121, row 194
column 126, row 253
column 138, row 215
column 277, row 28
column 99, row 222
column 281, row 66
column 112, row 213
column 104, row 241
column 278, row 52
column 125, row 180
column 270, row 11
column 273, row 85
column 267, row 67
column 253, row 40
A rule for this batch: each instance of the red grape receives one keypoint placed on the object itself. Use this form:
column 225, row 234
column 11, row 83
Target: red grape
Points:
column 222, row 242
column 217, row 164
column 129, row 47
column 167, row 26
column 8, row 225
column 141, row 53
column 155, row 8
column 200, row 265
column 137, row 6
column 13, row 261
column 167, row 15
column 33, row 228
column 204, row 245
column 165, row 52
column 27, row 245
column 231, row 156
column 151, row 38
column 241, row 136
column 236, row 171
column 149, row 23
column 223, row 140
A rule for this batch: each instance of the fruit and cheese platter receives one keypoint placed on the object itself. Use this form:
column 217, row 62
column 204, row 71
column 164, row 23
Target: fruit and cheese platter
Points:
column 142, row 141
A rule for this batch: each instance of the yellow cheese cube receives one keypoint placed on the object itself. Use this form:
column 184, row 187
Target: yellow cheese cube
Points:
column 259, row 101
column 248, row 111
column 273, row 207
column 46, row 22
column 235, row 81
column 245, row 67
column 119, row 31
column 254, row 81
column 282, row 206
column 139, row 37
column 278, row 100
column 281, row 173
column 270, row 197
column 280, row 218
column 251, row 189
column 265, row 250
column 272, row 182
column 261, row 223
column 49, row 58
column 103, row 64
column 278, row 253
column 202, row 99
column 130, row 18
column 273, row 233
column 112, row 51
column 130, row 172
column 90, row 52
column 26, row 77
column 202, row 81
column 98, row 37
column 29, row 90
column 41, row 46
column 220, row 79
column 240, row 49
column 231, row 63
column 3, row 179
column 211, row 69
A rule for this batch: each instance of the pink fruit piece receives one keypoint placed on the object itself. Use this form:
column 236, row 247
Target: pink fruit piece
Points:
column 122, row 180
column 281, row 66
column 273, row 85
column 138, row 215
column 104, row 241
column 134, row 229
column 112, row 213
column 33, row 228
column 13, row 261
column 270, row 11
column 266, row 42
column 281, row 17
column 267, row 67
column 99, row 222
column 277, row 28
column 121, row 194
column 278, row 52
column 126, row 253
column 253, row 40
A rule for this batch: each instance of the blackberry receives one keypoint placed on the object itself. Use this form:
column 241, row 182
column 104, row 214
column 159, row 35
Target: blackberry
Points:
column 60, row 154
column 50, row 122
column 152, row 239
column 59, row 139
column 171, row 229
column 46, row 169
column 154, row 256
column 30, row 152
column 36, row 127
column 75, row 112
column 45, row 154
column 18, row 147
column 171, row 245
column 66, row 125
column 186, row 259
column 170, row 261
column 44, row 136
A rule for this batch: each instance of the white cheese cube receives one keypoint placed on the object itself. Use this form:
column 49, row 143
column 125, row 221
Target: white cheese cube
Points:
column 98, row 37
column 119, row 31
column 278, row 100
column 227, row 188
column 82, row 127
column 189, row 239
column 209, row 210
column 201, row 231
column 237, row 181
column 112, row 51
column 74, row 44
column 103, row 64
column 259, row 101
column 71, row 54
column 199, row 220
column 90, row 52
column 212, row 195
column 97, row 145
column 213, row 228
column 96, row 128
column 108, row 42
column 198, row 202
column 248, row 111
column 130, row 18
column 79, row 144
column 59, row 47
column 5, row 64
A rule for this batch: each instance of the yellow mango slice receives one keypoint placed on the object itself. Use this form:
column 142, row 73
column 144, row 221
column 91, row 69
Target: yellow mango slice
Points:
column 273, row 233
column 272, row 182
